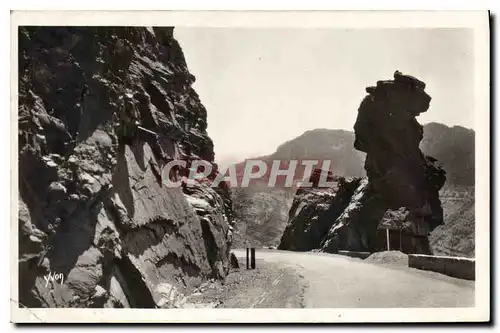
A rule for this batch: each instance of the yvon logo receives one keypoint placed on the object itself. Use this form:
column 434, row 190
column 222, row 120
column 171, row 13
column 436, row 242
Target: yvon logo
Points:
column 53, row 278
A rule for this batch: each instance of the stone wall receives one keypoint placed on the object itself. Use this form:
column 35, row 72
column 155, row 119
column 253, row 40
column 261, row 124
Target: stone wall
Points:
column 463, row 268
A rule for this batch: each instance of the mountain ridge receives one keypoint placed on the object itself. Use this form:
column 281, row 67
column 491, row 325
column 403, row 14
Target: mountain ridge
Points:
column 449, row 145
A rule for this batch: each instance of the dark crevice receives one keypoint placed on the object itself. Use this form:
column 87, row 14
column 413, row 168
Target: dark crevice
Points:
column 210, row 244
column 140, row 296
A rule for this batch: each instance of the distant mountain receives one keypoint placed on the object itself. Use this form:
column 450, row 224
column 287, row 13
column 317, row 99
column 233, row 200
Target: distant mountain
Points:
column 325, row 144
column 454, row 148
column 318, row 144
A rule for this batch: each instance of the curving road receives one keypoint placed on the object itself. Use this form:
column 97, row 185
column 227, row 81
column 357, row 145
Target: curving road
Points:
column 335, row 281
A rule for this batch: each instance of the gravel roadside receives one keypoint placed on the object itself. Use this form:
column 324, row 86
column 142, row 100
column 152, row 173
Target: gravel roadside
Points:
column 266, row 286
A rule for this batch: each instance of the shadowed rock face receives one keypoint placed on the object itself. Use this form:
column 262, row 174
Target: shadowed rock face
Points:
column 314, row 211
column 93, row 206
column 344, row 216
column 398, row 175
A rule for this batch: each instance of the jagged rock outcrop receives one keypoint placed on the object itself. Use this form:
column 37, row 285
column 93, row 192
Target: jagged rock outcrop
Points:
column 355, row 228
column 344, row 216
column 398, row 175
column 313, row 213
column 387, row 130
column 93, row 205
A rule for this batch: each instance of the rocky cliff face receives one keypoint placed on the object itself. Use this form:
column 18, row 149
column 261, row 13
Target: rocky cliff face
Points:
column 93, row 206
column 314, row 211
column 342, row 217
column 260, row 216
column 399, row 175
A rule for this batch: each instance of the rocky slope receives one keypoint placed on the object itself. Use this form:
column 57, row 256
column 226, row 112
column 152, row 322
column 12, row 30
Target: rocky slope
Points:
column 313, row 213
column 315, row 210
column 93, row 206
column 260, row 216
column 398, row 175
column 457, row 236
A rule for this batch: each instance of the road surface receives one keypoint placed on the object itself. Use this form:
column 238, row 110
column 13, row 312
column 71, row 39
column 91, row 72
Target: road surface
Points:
column 335, row 281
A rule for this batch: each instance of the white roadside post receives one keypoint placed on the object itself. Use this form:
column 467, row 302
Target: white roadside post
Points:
column 387, row 234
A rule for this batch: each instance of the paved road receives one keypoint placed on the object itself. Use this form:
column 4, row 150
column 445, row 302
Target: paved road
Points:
column 335, row 281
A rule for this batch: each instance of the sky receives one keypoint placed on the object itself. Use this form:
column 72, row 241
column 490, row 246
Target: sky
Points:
column 262, row 87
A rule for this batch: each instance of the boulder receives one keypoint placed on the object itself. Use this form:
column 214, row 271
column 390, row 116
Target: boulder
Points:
column 234, row 261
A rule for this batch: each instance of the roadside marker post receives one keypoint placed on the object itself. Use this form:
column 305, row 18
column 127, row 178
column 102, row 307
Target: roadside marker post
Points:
column 388, row 239
column 248, row 261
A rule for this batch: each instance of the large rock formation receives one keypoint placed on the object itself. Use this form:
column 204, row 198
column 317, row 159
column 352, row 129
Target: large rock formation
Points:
column 93, row 205
column 452, row 146
column 386, row 129
column 399, row 175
